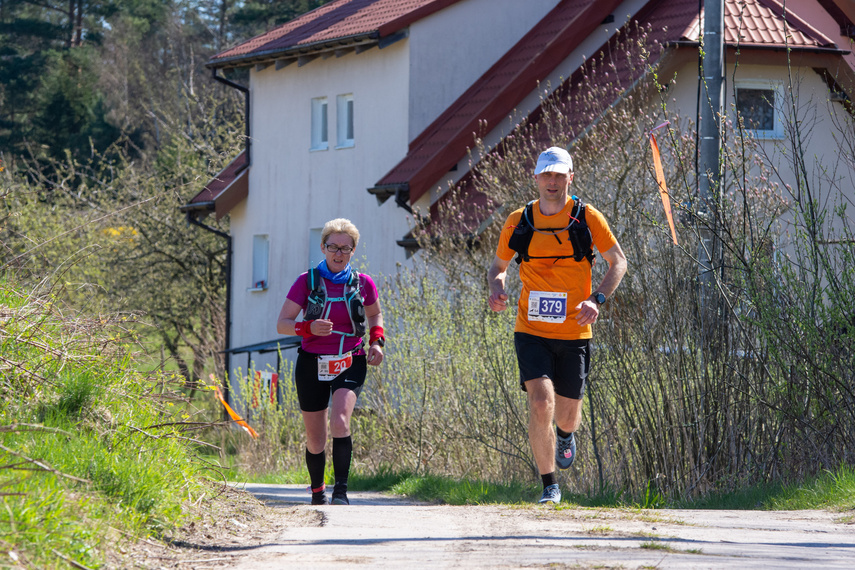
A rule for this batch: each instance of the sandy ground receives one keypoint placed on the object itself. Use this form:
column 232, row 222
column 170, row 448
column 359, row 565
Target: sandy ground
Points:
column 276, row 527
column 381, row 531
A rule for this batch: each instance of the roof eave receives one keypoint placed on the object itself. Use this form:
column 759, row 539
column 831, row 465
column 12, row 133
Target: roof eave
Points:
column 810, row 49
column 369, row 39
column 198, row 207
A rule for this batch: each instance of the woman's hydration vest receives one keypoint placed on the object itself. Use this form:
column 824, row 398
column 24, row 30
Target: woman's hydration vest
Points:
column 578, row 234
column 319, row 305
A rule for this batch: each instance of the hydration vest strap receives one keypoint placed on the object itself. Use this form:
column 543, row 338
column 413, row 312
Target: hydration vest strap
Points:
column 319, row 305
column 577, row 231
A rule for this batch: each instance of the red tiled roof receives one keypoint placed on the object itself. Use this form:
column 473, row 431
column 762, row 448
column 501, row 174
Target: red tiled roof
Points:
column 337, row 20
column 226, row 190
column 763, row 23
column 496, row 93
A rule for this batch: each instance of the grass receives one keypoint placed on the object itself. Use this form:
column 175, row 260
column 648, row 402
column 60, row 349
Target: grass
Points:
column 835, row 491
column 79, row 432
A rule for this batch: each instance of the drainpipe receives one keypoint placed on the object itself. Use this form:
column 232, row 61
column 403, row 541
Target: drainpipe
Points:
column 245, row 90
column 191, row 219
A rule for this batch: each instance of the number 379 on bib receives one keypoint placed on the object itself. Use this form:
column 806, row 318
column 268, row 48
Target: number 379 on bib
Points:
column 547, row 306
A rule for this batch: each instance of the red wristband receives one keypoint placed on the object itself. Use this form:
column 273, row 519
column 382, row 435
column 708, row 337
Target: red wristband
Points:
column 377, row 333
column 304, row 328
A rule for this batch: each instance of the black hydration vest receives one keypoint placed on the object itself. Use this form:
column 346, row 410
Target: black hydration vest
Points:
column 352, row 299
column 578, row 234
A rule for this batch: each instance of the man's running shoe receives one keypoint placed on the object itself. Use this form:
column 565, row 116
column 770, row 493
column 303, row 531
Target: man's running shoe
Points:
column 565, row 450
column 551, row 494
column 339, row 498
column 319, row 498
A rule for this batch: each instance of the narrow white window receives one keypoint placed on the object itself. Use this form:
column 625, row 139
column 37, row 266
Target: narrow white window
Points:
column 344, row 122
column 260, row 255
column 320, row 139
column 759, row 106
column 315, row 253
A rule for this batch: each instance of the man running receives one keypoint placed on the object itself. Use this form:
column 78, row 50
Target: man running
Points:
column 553, row 238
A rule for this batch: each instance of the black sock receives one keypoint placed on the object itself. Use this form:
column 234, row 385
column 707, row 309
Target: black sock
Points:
column 548, row 479
column 316, row 463
column 342, row 450
column 562, row 433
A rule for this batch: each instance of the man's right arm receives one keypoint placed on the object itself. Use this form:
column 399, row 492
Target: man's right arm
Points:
column 496, row 280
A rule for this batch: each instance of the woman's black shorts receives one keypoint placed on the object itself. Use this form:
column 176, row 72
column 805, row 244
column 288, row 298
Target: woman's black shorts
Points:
column 565, row 362
column 313, row 394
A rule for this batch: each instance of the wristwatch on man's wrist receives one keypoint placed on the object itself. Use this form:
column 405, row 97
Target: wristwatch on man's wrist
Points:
column 599, row 298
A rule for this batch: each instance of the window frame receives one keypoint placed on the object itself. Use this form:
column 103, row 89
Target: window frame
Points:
column 774, row 86
column 344, row 121
column 314, row 253
column 260, row 262
column 320, row 124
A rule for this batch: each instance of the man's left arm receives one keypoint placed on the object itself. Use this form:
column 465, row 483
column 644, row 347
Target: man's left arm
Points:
column 589, row 310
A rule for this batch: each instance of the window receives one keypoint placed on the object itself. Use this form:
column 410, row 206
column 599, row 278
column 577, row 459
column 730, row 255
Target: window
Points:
column 344, row 123
column 320, row 141
column 759, row 104
column 260, row 252
column 315, row 255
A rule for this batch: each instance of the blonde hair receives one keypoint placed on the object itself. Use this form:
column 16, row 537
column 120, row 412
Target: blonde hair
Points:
column 340, row 226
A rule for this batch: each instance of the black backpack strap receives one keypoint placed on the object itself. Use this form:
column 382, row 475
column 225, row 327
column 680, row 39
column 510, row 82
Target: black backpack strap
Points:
column 355, row 304
column 317, row 295
column 521, row 238
column 580, row 235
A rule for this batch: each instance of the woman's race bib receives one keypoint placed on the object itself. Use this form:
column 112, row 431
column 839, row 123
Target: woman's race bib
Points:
column 547, row 306
column 331, row 365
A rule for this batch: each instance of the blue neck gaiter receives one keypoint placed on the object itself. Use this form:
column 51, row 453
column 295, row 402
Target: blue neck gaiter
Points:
column 338, row 278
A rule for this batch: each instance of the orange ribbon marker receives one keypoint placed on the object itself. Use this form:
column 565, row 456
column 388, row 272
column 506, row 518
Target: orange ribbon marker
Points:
column 234, row 415
column 660, row 178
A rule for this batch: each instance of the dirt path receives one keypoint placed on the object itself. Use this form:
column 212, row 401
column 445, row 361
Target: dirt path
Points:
column 379, row 531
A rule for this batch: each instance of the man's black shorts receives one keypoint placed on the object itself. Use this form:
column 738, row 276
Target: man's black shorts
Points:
column 565, row 362
column 313, row 394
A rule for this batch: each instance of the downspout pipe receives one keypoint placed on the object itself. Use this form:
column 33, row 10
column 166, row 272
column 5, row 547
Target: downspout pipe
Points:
column 191, row 219
column 245, row 90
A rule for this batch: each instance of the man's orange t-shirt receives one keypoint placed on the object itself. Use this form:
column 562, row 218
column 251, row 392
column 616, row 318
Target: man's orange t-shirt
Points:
column 545, row 280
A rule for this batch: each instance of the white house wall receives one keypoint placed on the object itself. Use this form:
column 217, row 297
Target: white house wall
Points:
column 293, row 189
column 452, row 48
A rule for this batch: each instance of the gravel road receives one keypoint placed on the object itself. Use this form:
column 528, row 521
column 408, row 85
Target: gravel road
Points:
column 383, row 531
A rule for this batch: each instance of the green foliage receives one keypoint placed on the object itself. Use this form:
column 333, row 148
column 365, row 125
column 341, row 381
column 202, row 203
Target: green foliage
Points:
column 75, row 420
column 77, row 393
column 99, row 222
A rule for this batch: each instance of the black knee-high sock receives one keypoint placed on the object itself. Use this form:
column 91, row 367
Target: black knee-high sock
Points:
column 316, row 463
column 342, row 450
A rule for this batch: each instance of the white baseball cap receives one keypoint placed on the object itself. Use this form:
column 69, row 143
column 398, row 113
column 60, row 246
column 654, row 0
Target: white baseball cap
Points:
column 554, row 159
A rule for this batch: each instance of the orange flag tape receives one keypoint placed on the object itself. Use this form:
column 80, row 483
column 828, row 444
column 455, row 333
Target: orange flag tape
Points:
column 663, row 190
column 234, row 415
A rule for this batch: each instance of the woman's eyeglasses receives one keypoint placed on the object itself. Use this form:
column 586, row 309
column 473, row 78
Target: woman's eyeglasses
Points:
column 336, row 249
